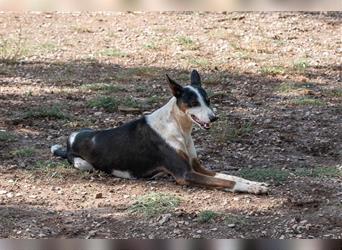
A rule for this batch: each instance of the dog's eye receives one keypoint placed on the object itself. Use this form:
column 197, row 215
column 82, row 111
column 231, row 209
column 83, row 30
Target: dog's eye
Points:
column 194, row 103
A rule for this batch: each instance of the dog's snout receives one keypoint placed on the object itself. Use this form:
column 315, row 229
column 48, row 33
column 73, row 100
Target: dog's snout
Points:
column 213, row 118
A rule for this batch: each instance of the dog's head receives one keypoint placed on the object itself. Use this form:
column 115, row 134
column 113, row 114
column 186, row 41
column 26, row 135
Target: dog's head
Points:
column 193, row 101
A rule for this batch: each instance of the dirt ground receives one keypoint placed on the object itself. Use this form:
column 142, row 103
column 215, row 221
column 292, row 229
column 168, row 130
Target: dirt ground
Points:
column 274, row 80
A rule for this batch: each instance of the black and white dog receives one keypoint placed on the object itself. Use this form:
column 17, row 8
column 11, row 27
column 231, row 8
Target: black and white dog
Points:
column 155, row 143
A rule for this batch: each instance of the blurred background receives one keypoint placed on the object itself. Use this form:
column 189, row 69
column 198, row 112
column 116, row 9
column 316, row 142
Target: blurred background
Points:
column 70, row 5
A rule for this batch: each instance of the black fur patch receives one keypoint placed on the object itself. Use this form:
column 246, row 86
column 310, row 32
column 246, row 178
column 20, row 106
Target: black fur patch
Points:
column 203, row 93
column 134, row 147
column 188, row 98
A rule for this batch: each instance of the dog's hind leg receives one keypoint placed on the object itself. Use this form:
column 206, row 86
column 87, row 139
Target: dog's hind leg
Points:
column 82, row 165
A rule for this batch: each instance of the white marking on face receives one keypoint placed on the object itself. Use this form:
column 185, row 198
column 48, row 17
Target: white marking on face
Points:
column 202, row 112
column 122, row 174
column 82, row 164
column 72, row 138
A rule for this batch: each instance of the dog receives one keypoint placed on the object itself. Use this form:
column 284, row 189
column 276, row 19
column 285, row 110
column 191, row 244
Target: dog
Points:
column 156, row 143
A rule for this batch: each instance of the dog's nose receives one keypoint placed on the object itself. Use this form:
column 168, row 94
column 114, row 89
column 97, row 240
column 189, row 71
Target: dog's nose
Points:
column 213, row 118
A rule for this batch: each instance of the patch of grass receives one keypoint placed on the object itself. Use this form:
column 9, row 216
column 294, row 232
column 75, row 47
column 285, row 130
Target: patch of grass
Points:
column 112, row 34
column 234, row 219
column 141, row 88
column 141, row 72
column 151, row 46
column 279, row 42
column 199, row 62
column 184, row 77
column 6, row 136
column 244, row 129
column 224, row 131
column 7, row 221
column 126, row 75
column 46, row 47
column 184, row 40
column 213, row 80
column 83, row 123
column 53, row 112
column 262, row 175
column 12, row 49
column 333, row 92
column 29, row 93
column 130, row 102
column 52, row 169
column 162, row 29
column 113, row 52
column 153, row 204
column 24, row 152
column 236, row 46
column 288, row 87
column 188, row 43
column 154, row 99
column 40, row 164
column 108, row 103
column 272, row 70
column 219, row 33
column 244, row 55
column 80, row 29
column 207, row 216
column 319, row 172
column 300, row 65
column 308, row 101
column 295, row 88
column 105, row 87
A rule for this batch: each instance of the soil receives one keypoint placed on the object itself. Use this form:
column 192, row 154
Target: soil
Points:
column 274, row 80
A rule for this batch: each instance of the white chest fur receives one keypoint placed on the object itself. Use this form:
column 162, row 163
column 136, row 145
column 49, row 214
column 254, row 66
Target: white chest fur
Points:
column 165, row 121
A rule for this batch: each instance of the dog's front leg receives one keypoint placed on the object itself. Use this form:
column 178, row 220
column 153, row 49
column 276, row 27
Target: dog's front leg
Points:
column 195, row 178
column 243, row 185
column 194, row 162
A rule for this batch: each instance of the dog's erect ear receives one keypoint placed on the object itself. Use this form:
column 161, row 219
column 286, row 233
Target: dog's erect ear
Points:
column 195, row 78
column 177, row 89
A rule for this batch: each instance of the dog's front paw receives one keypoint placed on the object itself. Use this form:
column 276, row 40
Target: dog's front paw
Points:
column 251, row 187
column 259, row 188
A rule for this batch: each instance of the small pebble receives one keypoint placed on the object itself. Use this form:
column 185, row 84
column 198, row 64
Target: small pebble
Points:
column 98, row 196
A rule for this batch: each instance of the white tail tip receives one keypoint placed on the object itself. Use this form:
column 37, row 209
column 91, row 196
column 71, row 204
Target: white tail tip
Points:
column 54, row 148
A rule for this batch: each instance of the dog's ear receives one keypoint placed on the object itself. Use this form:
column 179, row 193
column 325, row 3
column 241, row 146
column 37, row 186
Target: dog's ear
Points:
column 177, row 89
column 195, row 78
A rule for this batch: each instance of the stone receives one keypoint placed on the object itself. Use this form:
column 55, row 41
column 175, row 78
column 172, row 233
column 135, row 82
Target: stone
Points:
column 98, row 196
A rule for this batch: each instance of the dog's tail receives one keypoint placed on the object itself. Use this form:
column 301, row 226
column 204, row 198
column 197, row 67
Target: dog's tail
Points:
column 58, row 150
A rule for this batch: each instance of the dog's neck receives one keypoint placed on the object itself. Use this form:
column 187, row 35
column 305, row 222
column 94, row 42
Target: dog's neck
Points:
column 171, row 113
column 182, row 119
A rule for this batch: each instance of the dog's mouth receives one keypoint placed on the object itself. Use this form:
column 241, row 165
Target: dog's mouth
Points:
column 203, row 125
